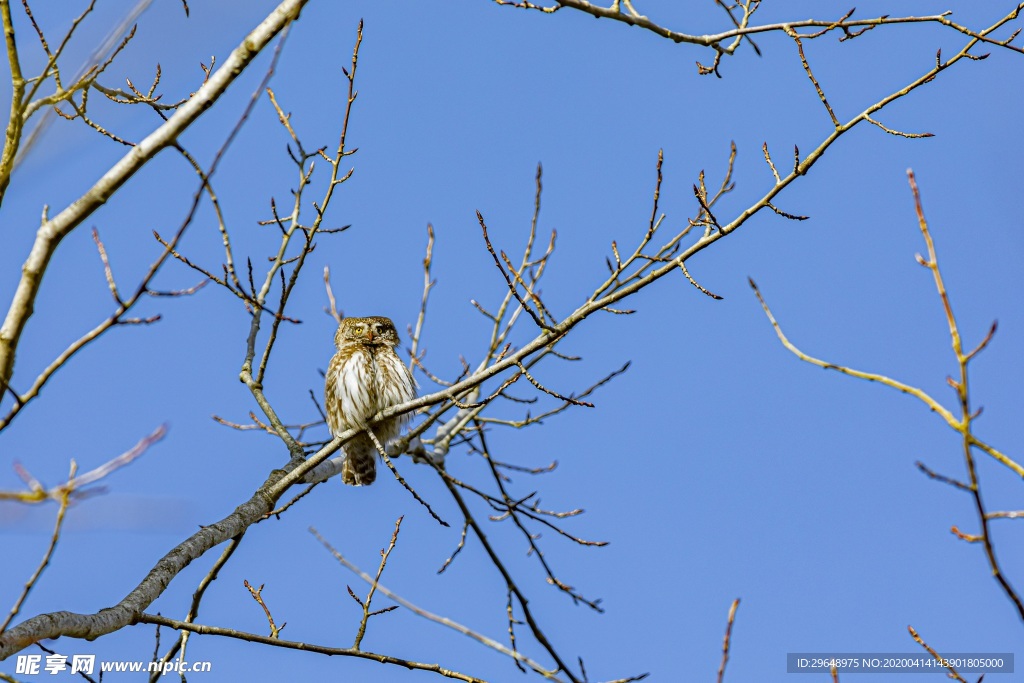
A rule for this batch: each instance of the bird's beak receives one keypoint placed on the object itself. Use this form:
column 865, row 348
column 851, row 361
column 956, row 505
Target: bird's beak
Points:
column 369, row 335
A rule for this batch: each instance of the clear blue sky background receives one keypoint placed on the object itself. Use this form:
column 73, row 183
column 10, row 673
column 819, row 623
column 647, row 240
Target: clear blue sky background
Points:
column 718, row 467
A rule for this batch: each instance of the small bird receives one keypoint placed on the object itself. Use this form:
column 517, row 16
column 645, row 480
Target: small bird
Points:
column 365, row 376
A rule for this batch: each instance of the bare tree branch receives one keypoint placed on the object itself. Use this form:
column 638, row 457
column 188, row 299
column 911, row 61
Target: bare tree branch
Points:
column 305, row 647
column 52, row 231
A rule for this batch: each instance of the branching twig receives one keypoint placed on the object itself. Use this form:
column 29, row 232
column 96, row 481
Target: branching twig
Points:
column 963, row 396
column 201, row 629
column 726, row 42
column 444, row 621
column 257, row 595
column 961, row 425
column 932, row 404
column 65, row 500
column 365, row 604
column 52, row 232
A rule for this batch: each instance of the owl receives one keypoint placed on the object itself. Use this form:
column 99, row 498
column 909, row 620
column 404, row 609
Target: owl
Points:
column 365, row 377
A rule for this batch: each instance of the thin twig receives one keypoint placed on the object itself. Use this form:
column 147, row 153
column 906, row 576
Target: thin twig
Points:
column 938, row 658
column 444, row 621
column 65, row 500
column 257, row 595
column 146, row 618
column 727, row 640
column 384, row 554
column 401, row 480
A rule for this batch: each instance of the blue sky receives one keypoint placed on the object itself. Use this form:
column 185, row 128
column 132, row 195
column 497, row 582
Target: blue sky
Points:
column 717, row 467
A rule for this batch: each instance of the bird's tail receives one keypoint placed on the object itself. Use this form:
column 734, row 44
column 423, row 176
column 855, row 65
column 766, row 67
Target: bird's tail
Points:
column 360, row 467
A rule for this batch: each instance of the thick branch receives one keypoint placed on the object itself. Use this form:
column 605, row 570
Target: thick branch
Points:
column 131, row 608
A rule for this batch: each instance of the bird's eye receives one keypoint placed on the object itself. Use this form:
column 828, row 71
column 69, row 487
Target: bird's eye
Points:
column 358, row 329
column 378, row 329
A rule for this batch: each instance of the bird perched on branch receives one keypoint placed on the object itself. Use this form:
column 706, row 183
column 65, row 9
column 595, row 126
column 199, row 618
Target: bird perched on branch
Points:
column 365, row 377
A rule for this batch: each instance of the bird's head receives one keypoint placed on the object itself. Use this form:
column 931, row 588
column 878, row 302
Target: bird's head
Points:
column 375, row 330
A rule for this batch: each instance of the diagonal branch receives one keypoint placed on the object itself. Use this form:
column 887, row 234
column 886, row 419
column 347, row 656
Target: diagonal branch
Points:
column 419, row 611
column 52, row 231
column 922, row 396
column 304, row 647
